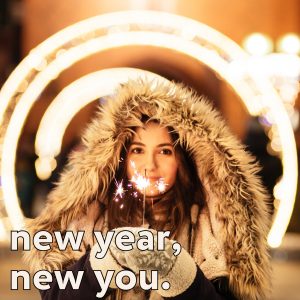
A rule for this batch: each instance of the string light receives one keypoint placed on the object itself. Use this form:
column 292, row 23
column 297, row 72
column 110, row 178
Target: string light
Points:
column 158, row 29
column 258, row 44
column 289, row 43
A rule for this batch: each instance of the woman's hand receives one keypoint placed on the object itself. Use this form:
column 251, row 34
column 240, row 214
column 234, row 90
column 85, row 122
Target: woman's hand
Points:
column 136, row 259
column 178, row 271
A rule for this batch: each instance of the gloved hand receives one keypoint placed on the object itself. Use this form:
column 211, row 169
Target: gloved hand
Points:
column 136, row 259
column 179, row 271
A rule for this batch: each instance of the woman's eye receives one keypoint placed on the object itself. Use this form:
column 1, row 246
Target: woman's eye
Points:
column 166, row 151
column 136, row 150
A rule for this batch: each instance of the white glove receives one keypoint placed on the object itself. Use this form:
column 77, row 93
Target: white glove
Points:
column 136, row 259
column 179, row 271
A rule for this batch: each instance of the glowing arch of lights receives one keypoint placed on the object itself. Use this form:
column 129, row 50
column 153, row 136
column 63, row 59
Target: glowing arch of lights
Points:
column 72, row 99
column 180, row 34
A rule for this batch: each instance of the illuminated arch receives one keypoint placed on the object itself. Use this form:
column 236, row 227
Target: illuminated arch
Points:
column 71, row 100
column 49, row 59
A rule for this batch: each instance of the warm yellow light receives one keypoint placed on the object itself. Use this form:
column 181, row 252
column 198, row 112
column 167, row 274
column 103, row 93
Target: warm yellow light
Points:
column 69, row 101
column 289, row 43
column 66, row 59
column 288, row 181
column 44, row 167
column 281, row 64
column 158, row 29
column 258, row 44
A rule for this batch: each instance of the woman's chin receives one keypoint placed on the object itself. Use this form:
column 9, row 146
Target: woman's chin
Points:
column 154, row 194
column 153, row 197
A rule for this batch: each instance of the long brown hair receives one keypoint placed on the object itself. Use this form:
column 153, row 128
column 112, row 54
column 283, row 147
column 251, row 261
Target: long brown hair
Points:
column 176, row 203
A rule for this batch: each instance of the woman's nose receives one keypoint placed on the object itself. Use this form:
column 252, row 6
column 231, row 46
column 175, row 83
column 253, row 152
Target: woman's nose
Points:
column 150, row 163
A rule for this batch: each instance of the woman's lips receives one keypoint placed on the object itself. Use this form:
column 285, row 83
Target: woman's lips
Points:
column 153, row 178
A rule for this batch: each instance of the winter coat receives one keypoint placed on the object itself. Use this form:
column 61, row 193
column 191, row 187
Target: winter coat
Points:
column 229, row 233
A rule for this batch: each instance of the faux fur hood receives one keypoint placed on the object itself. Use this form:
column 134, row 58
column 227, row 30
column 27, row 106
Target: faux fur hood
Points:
column 236, row 200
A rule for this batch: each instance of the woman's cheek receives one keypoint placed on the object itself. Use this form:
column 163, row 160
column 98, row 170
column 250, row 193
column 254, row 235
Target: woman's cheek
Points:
column 173, row 172
column 130, row 168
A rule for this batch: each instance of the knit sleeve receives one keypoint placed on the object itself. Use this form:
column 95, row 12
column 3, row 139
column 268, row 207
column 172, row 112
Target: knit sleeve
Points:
column 204, row 289
column 88, row 287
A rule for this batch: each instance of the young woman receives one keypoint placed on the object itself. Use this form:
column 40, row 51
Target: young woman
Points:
column 198, row 183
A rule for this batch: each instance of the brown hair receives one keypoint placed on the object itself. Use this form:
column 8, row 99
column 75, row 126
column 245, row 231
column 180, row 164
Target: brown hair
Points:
column 176, row 203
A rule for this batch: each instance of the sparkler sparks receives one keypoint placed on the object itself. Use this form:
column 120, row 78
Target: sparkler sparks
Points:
column 120, row 190
column 161, row 185
column 141, row 183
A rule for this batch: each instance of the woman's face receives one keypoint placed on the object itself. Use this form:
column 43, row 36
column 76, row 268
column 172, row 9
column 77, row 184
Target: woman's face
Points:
column 151, row 155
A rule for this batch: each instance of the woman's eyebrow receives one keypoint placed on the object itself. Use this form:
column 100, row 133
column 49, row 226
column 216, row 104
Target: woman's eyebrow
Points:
column 165, row 144
column 137, row 143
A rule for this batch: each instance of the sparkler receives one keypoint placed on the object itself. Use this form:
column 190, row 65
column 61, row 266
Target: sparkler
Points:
column 120, row 189
column 161, row 185
column 141, row 183
column 119, row 192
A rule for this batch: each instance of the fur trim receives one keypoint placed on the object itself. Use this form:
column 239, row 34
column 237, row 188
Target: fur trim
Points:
column 236, row 200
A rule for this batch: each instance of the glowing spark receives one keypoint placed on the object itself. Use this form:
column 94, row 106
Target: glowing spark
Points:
column 141, row 182
column 161, row 185
column 120, row 190
column 121, row 206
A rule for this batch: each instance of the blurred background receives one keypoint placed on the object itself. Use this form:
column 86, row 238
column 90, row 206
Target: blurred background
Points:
column 268, row 30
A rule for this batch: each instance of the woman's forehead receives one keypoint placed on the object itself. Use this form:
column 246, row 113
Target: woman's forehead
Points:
column 151, row 133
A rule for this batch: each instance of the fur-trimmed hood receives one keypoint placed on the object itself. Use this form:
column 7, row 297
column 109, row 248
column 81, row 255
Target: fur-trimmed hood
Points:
column 236, row 211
